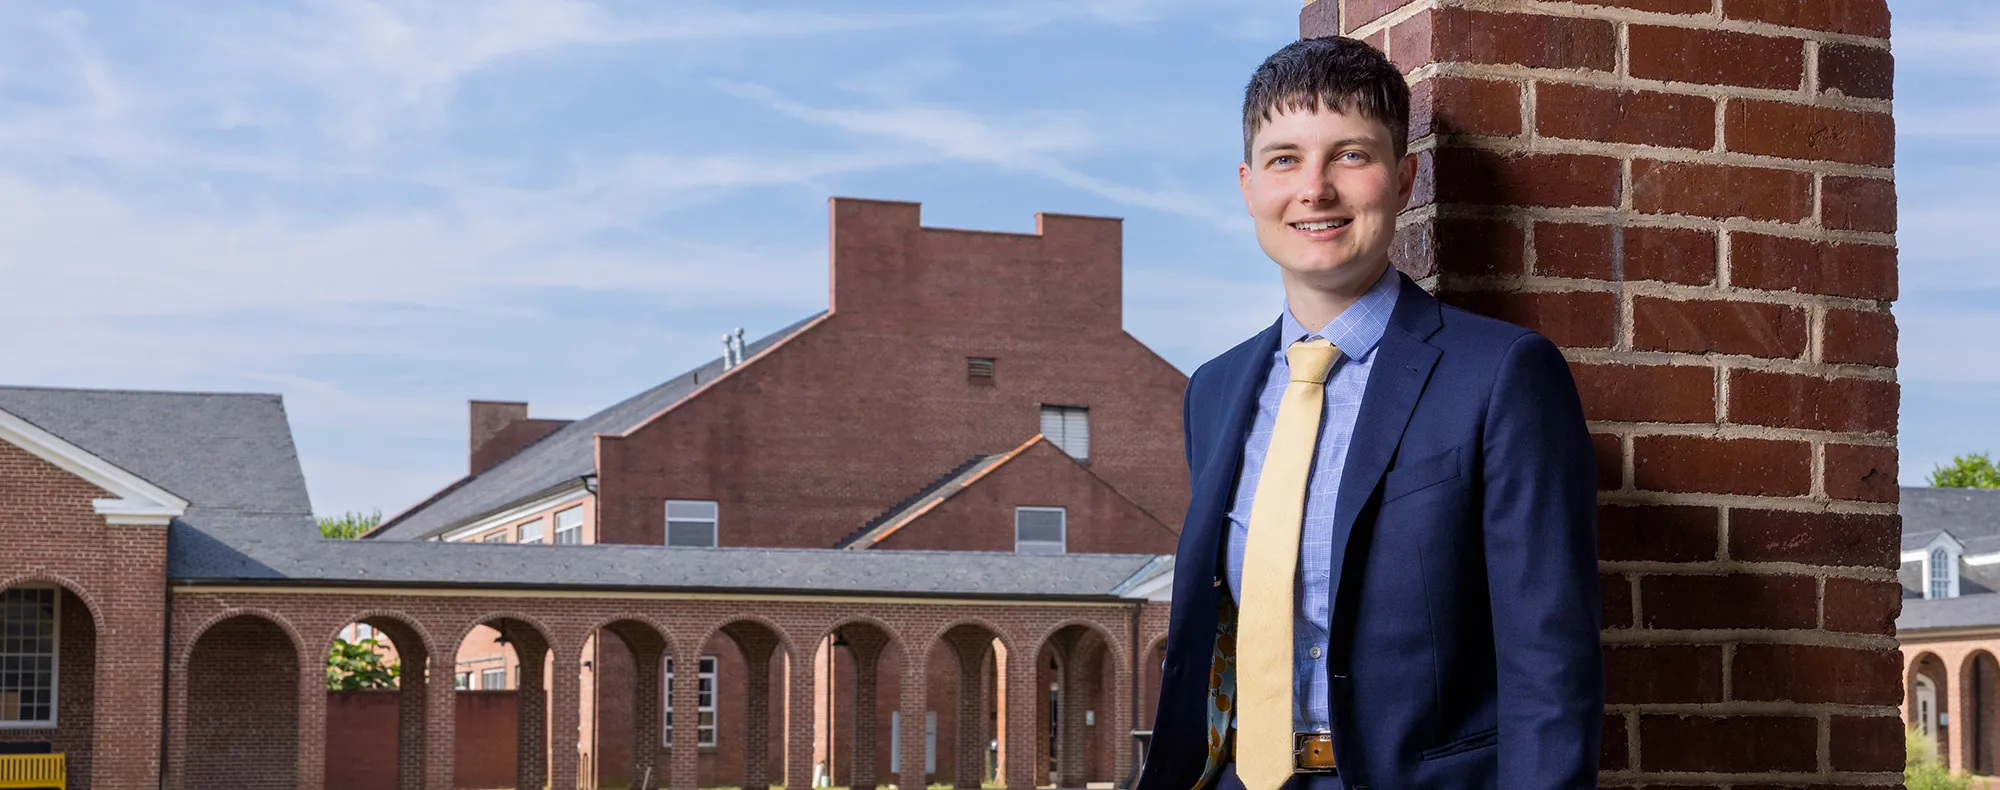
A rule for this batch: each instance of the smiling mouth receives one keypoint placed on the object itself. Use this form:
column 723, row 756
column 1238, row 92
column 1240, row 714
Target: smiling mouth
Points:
column 1323, row 224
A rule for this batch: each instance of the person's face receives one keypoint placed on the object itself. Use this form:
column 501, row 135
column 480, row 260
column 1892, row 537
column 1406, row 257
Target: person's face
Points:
column 1324, row 189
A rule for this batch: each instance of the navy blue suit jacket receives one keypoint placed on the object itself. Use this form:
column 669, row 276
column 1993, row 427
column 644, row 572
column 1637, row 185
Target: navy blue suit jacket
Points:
column 1464, row 636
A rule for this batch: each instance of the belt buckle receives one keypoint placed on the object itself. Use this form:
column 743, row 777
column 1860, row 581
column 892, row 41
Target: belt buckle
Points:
column 1299, row 752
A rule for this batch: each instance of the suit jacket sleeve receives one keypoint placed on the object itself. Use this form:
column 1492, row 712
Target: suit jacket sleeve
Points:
column 1540, row 513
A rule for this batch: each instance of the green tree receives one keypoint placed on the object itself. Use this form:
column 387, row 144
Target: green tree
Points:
column 1967, row 471
column 1922, row 770
column 351, row 666
column 348, row 525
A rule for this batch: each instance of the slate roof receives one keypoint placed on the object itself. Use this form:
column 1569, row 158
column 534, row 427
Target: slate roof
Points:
column 955, row 574
column 929, row 497
column 1971, row 515
column 229, row 455
column 559, row 460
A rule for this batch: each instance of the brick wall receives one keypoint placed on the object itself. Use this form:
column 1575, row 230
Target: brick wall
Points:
column 1694, row 198
column 114, row 578
column 1099, row 519
column 242, row 697
column 881, row 384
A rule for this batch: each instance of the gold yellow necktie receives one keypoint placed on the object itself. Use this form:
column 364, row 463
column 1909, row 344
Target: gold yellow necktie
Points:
column 1264, row 649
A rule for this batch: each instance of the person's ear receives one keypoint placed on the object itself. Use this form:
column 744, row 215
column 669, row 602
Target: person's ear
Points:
column 1243, row 181
column 1406, row 179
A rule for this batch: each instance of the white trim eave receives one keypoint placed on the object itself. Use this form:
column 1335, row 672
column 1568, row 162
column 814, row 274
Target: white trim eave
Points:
column 563, row 497
column 133, row 499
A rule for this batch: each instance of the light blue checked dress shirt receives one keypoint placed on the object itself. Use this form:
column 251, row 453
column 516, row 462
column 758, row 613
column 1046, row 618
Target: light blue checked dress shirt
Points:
column 1356, row 331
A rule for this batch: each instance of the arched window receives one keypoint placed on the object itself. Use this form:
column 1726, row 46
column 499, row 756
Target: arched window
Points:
column 1940, row 574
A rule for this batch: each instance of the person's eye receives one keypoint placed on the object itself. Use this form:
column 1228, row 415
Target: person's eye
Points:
column 1283, row 160
column 1353, row 156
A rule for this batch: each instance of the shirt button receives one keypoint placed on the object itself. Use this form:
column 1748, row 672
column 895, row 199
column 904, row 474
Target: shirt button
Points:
column 1314, row 652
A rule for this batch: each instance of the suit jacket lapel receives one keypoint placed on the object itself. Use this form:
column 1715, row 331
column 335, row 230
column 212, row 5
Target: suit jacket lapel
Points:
column 1237, row 410
column 1397, row 380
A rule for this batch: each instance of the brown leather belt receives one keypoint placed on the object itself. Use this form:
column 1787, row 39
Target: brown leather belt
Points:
column 1312, row 751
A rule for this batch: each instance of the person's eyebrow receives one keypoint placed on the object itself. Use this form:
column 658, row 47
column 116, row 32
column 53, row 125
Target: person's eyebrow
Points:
column 1277, row 145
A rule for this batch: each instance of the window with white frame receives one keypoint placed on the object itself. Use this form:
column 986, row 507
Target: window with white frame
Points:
column 569, row 526
column 28, row 643
column 493, row 679
column 1940, row 574
column 531, row 532
column 704, row 702
column 1041, row 530
column 691, row 523
column 497, row 537
column 463, row 682
column 1069, row 428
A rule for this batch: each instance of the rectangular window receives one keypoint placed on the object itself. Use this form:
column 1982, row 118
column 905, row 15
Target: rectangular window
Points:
column 1940, row 567
column 1069, row 428
column 531, row 532
column 463, row 682
column 704, row 700
column 691, row 523
column 1041, row 530
column 28, row 639
column 493, row 679
column 569, row 526
column 497, row 537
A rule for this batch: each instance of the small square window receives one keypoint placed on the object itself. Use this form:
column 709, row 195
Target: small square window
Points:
column 691, row 523
column 531, row 532
column 1040, row 530
column 493, row 679
column 1069, row 428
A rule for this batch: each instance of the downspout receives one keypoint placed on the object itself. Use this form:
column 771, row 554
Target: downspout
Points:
column 166, row 667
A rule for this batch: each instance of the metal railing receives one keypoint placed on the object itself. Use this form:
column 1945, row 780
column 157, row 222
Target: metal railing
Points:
column 33, row 771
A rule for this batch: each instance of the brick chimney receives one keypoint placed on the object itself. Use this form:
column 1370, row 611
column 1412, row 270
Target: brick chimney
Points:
column 499, row 429
column 890, row 270
column 1695, row 199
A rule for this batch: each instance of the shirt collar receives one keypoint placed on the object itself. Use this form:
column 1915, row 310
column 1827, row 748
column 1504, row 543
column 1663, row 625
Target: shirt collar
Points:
column 1358, row 329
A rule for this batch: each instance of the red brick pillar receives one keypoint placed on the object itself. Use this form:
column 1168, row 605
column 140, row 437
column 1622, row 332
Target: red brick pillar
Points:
column 441, row 714
column 1079, row 688
column 974, row 652
column 532, row 714
column 757, row 646
column 565, row 714
column 1694, row 199
column 865, row 648
column 800, row 735
column 311, row 717
column 1018, row 742
column 684, row 758
column 914, row 686
column 646, row 738
column 412, row 700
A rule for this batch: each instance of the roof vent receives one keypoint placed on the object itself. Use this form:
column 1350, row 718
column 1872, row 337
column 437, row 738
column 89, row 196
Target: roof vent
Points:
column 732, row 349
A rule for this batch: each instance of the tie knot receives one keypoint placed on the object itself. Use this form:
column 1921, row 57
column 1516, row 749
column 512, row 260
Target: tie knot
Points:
column 1310, row 360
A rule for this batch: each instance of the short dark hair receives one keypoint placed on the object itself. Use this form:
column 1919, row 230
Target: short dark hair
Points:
column 1334, row 73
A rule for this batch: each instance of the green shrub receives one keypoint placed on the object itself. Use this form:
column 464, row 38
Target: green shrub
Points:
column 1923, row 770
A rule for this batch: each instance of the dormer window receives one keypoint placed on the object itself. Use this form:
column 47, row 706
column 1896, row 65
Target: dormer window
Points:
column 1940, row 567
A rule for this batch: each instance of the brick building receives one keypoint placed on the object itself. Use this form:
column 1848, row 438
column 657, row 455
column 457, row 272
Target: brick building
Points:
column 1950, row 625
column 1694, row 198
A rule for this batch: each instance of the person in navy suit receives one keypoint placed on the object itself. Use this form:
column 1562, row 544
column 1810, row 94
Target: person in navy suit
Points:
column 1445, row 623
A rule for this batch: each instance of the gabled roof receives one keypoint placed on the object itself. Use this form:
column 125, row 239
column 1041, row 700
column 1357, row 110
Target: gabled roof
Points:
column 228, row 456
column 559, row 460
column 929, row 497
column 1971, row 515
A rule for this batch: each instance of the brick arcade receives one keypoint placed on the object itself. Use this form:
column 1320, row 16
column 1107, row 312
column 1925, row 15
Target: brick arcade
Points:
column 1694, row 198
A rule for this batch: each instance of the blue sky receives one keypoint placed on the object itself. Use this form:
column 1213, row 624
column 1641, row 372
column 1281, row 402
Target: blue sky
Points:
column 381, row 211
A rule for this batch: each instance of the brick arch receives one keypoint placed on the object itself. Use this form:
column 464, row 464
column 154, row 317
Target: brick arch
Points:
column 541, row 629
column 895, row 637
column 283, row 623
column 1104, row 633
column 784, row 635
column 416, row 628
column 1976, row 720
column 239, row 731
column 936, row 635
column 75, row 588
column 654, row 627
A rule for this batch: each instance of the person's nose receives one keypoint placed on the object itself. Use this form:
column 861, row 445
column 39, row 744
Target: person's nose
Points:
column 1317, row 189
